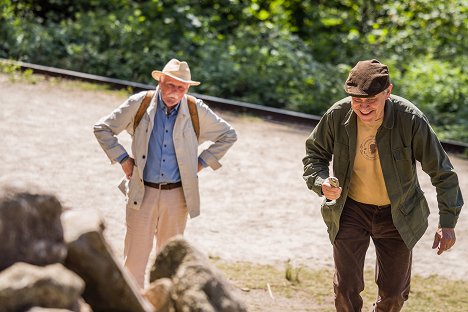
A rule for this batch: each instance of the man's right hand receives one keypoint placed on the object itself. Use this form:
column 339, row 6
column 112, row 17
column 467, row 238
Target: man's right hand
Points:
column 329, row 191
column 127, row 167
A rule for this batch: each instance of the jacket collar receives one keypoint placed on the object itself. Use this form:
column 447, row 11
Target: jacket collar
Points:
column 350, row 124
column 389, row 115
column 350, row 118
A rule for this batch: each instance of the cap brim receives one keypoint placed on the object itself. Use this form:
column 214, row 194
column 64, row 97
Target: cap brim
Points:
column 356, row 92
column 156, row 74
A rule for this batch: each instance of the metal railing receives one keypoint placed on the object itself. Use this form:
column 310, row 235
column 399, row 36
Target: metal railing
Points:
column 266, row 112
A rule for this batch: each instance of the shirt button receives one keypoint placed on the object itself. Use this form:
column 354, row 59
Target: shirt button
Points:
column 162, row 174
column 167, row 131
column 164, row 145
column 164, row 160
column 143, row 156
column 134, row 202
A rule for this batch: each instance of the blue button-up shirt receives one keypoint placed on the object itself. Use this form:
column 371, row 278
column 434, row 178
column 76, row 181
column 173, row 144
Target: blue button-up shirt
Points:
column 161, row 164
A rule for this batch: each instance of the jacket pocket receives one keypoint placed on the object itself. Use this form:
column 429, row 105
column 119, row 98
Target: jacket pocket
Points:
column 403, row 153
column 331, row 211
column 123, row 185
column 129, row 184
column 415, row 201
column 327, row 211
column 415, row 211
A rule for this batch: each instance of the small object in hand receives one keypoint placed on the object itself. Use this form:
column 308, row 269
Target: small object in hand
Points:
column 334, row 182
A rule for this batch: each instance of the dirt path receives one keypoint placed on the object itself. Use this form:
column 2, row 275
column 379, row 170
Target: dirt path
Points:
column 255, row 208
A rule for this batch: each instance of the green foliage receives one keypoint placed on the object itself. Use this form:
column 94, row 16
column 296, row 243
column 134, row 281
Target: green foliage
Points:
column 440, row 91
column 275, row 71
column 15, row 74
column 290, row 54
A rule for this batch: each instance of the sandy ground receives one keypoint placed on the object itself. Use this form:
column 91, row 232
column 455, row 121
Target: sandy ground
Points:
column 255, row 208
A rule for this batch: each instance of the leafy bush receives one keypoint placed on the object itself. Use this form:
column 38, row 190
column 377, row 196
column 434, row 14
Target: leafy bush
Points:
column 275, row 72
column 440, row 91
column 291, row 54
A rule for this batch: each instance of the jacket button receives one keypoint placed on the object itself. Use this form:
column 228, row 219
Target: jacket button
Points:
column 135, row 203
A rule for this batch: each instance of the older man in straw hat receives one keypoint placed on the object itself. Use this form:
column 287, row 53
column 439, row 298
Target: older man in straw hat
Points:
column 161, row 183
column 375, row 139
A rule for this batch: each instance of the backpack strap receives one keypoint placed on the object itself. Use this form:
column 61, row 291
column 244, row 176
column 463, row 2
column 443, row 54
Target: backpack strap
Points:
column 192, row 105
column 142, row 109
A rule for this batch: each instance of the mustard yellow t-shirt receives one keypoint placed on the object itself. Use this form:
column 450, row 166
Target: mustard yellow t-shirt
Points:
column 367, row 183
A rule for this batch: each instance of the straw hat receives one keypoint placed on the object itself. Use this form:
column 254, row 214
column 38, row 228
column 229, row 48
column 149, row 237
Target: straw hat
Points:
column 177, row 70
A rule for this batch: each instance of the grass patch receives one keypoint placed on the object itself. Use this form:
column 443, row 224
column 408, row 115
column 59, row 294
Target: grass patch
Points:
column 314, row 288
column 14, row 73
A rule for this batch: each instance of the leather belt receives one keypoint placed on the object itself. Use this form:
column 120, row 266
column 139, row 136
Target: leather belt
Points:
column 163, row 186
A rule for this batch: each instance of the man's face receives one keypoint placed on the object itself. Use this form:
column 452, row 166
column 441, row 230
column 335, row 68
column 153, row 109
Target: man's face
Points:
column 172, row 90
column 371, row 109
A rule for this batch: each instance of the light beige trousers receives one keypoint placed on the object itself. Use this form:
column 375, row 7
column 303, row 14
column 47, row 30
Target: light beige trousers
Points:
column 162, row 215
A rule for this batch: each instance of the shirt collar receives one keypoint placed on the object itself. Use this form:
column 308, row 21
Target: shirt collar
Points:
column 163, row 108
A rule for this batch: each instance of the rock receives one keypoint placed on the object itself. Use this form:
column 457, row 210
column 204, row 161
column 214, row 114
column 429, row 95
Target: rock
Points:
column 158, row 294
column 81, row 307
column 197, row 284
column 40, row 309
column 30, row 228
column 108, row 285
column 24, row 285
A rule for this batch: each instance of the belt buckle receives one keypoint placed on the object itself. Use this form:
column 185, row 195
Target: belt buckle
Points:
column 160, row 185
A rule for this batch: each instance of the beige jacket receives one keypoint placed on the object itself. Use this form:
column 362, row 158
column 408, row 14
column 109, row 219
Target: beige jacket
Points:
column 212, row 128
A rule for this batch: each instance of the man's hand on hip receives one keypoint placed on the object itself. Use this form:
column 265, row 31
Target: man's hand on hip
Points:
column 444, row 239
column 127, row 167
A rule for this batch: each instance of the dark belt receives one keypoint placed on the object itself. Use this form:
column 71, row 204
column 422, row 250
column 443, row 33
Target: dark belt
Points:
column 371, row 205
column 164, row 186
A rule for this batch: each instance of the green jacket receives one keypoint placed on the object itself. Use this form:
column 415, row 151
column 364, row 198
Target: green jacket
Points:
column 404, row 137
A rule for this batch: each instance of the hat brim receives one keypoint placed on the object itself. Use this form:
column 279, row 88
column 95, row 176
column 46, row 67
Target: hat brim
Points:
column 156, row 74
column 357, row 92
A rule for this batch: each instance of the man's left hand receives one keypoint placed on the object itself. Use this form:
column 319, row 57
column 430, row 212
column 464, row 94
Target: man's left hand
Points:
column 444, row 239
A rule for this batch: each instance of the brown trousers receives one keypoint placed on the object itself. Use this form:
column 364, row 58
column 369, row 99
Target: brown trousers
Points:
column 360, row 222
